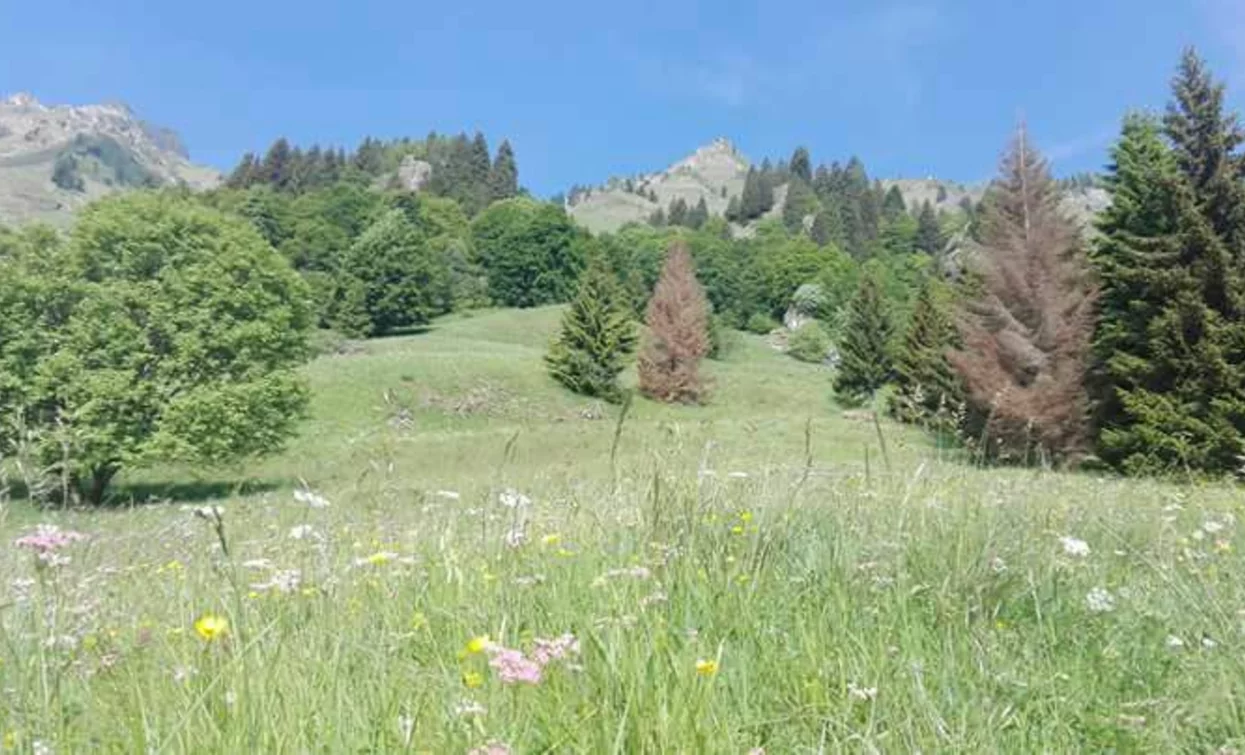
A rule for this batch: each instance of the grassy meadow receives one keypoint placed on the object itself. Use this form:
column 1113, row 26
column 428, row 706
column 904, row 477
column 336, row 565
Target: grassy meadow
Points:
column 736, row 578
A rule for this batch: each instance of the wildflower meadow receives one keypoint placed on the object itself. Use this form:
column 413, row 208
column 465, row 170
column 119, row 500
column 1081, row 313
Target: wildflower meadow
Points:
column 458, row 557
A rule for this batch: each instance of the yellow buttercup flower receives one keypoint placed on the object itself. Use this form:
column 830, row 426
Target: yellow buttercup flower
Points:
column 10, row 740
column 477, row 645
column 211, row 627
column 706, row 668
column 738, row 529
column 551, row 539
column 745, row 517
column 419, row 621
column 473, row 680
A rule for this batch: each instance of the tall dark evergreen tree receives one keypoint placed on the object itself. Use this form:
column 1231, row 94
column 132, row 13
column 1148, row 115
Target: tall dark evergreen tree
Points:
column 1170, row 343
column 893, row 206
column 504, row 177
column 925, row 381
column 698, row 215
column 865, row 363
column 596, row 337
column 801, row 166
column 827, row 228
column 799, row 204
column 677, row 214
column 245, row 174
column 277, row 167
column 929, row 238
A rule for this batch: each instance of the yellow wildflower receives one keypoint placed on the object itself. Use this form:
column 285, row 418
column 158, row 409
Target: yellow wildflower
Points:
column 553, row 538
column 476, row 645
column 419, row 621
column 738, row 529
column 10, row 740
column 211, row 627
column 706, row 668
column 376, row 559
column 473, row 680
column 745, row 517
column 1223, row 546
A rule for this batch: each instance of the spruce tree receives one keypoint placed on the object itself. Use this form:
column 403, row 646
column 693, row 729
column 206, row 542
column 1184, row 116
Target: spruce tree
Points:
column 698, row 215
column 276, row 167
column 596, row 337
column 1170, row 345
column 245, row 174
column 678, row 333
column 827, row 228
column 864, row 353
column 926, row 384
column 929, row 237
column 677, row 214
column 504, row 175
column 893, row 206
column 1026, row 334
column 800, row 203
column 801, row 165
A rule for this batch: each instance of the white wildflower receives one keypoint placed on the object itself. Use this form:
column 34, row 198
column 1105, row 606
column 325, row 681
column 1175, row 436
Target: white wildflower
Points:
column 406, row 727
column 1212, row 527
column 258, row 563
column 1098, row 600
column 998, row 565
column 1199, row 535
column 515, row 538
column 513, row 499
column 1073, row 546
column 863, row 694
column 449, row 495
column 1209, row 643
column 311, row 499
column 738, row 475
column 283, row 582
column 182, row 674
column 1174, row 642
column 39, row 747
column 467, row 707
column 301, row 531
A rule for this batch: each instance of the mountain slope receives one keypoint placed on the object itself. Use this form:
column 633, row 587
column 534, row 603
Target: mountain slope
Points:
column 55, row 159
column 717, row 170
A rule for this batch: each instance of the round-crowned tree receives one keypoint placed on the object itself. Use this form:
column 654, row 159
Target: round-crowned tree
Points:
column 160, row 330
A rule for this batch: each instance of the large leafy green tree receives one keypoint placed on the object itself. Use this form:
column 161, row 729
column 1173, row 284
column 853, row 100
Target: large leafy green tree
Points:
column 596, row 337
column 1170, row 344
column 392, row 279
column 531, row 251
column 161, row 330
column 865, row 363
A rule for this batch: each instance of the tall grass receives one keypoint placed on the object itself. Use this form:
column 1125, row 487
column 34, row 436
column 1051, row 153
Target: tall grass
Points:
column 736, row 582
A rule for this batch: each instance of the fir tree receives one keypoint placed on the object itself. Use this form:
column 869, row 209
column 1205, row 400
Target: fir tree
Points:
column 504, row 176
column 801, row 165
column 276, row 169
column 926, row 384
column 677, row 214
column 864, row 354
column 698, row 215
column 1026, row 335
column 893, row 206
column 678, row 333
column 245, row 174
column 1171, row 341
column 929, row 237
column 657, row 218
column 596, row 337
column 800, row 203
column 733, row 212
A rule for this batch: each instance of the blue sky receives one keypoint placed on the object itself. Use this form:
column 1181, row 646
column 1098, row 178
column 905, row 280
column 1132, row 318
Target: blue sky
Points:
column 585, row 90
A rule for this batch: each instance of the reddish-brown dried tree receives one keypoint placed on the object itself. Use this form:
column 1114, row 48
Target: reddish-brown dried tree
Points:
column 678, row 333
column 1026, row 337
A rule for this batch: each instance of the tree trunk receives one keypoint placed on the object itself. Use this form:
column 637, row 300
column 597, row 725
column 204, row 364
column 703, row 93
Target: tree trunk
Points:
column 101, row 476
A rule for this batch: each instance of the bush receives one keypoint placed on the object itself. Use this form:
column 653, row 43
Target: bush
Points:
column 761, row 324
column 809, row 343
column 723, row 339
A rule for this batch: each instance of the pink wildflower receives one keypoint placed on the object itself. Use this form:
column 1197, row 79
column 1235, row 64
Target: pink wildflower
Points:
column 556, row 649
column 512, row 666
column 48, row 538
column 492, row 748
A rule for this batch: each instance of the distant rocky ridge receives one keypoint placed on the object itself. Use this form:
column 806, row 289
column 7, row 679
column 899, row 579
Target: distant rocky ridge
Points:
column 91, row 150
column 716, row 173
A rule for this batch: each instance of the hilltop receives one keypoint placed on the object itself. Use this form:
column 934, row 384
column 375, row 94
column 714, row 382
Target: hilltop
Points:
column 716, row 173
column 56, row 158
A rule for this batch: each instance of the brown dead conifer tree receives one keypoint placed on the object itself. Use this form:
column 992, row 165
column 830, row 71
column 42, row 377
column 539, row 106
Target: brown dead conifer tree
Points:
column 678, row 333
column 1026, row 336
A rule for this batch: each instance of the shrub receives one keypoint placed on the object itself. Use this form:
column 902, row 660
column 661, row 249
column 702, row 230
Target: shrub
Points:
column 761, row 324
column 809, row 343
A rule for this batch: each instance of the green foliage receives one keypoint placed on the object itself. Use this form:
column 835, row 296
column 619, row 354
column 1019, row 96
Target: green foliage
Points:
column 893, row 206
column 757, row 197
column 1170, row 370
column 809, row 343
column 532, row 252
column 761, row 324
column 392, row 279
column 161, row 330
column 929, row 237
column 801, row 167
column 800, row 203
column 865, row 363
column 926, row 386
column 698, row 215
column 65, row 173
column 504, row 176
column 596, row 338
